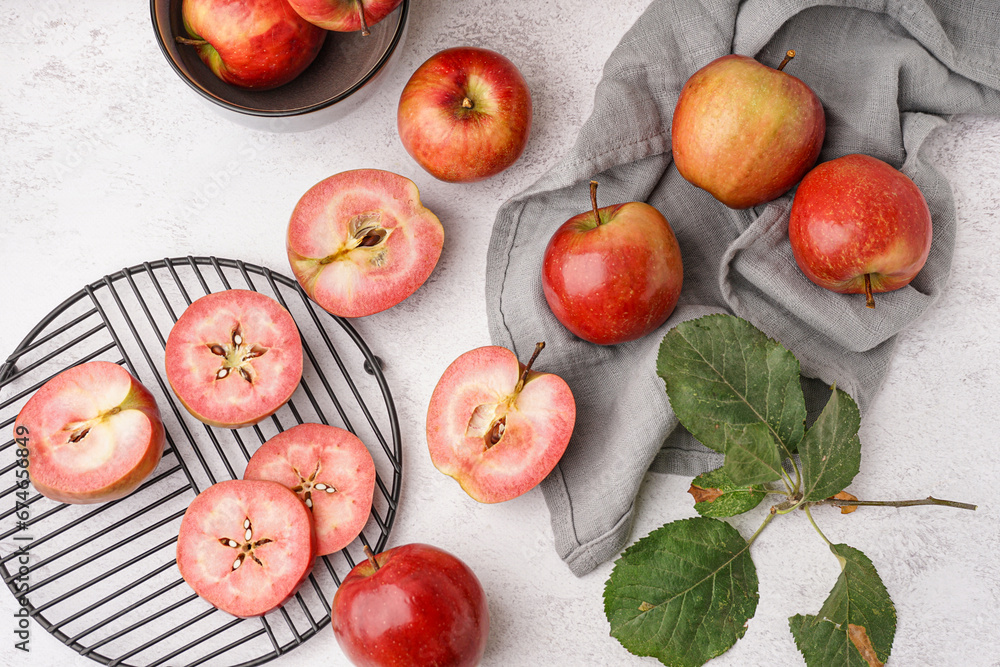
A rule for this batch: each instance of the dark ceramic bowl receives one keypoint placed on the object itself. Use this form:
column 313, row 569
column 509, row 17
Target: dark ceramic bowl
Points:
column 336, row 83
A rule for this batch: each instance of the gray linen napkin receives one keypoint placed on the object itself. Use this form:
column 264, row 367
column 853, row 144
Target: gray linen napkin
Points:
column 886, row 72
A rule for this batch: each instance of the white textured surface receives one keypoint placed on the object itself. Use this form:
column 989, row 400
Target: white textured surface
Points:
column 107, row 160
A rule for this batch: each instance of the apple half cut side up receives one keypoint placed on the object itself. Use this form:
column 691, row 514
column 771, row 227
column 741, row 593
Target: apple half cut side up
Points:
column 92, row 433
column 245, row 546
column 360, row 242
column 233, row 358
column 496, row 426
column 330, row 470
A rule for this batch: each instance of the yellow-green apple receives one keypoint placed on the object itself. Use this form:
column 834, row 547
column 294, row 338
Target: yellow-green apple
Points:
column 330, row 469
column 90, row 434
column 245, row 546
column 497, row 426
column 257, row 44
column 465, row 114
column 411, row 605
column 746, row 132
column 859, row 226
column 360, row 241
column 613, row 274
column 344, row 15
column 234, row 357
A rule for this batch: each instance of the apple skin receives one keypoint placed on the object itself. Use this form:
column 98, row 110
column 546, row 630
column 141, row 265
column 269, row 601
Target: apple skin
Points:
column 422, row 606
column 457, row 143
column 337, row 267
column 857, row 215
column 258, row 44
column 116, row 425
column 746, row 132
column 481, row 389
column 344, row 15
column 615, row 280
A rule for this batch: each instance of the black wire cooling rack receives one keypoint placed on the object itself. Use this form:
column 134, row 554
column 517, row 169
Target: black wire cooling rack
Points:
column 103, row 578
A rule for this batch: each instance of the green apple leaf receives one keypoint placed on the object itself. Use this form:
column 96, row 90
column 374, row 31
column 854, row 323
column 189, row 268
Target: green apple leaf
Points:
column 717, row 495
column 683, row 593
column 720, row 371
column 857, row 623
column 831, row 450
column 752, row 456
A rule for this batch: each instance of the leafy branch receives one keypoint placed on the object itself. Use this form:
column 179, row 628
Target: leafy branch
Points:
column 684, row 593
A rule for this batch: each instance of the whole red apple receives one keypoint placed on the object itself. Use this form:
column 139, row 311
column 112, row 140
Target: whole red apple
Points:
column 258, row 44
column 496, row 426
column 344, row 15
column 360, row 241
column 613, row 274
column 465, row 114
column 746, row 132
column 92, row 434
column 411, row 605
column 859, row 226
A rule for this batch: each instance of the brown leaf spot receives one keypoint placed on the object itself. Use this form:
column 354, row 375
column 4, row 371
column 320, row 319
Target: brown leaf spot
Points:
column 701, row 495
column 844, row 495
column 859, row 637
column 645, row 606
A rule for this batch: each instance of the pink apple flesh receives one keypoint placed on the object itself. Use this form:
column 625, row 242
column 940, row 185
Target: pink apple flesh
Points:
column 494, row 431
column 258, row 44
column 360, row 242
column 234, row 357
column 93, row 434
column 344, row 15
column 465, row 114
column 330, row 469
column 857, row 216
column 245, row 546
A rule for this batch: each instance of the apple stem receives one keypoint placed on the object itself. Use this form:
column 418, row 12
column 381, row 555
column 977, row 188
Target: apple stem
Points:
column 593, row 202
column 467, row 103
column 869, row 298
column 527, row 366
column 364, row 24
column 191, row 42
column 788, row 56
column 371, row 557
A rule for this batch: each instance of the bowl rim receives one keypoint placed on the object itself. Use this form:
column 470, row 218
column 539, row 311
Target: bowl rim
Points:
column 397, row 36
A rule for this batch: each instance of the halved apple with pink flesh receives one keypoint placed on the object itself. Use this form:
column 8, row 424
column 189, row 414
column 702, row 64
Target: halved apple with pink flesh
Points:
column 93, row 433
column 331, row 471
column 497, row 426
column 245, row 546
column 344, row 15
column 234, row 357
column 360, row 241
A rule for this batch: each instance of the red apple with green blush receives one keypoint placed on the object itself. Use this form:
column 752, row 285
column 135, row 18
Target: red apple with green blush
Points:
column 497, row 426
column 258, row 44
column 344, row 15
column 859, row 226
column 746, row 132
column 465, row 114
